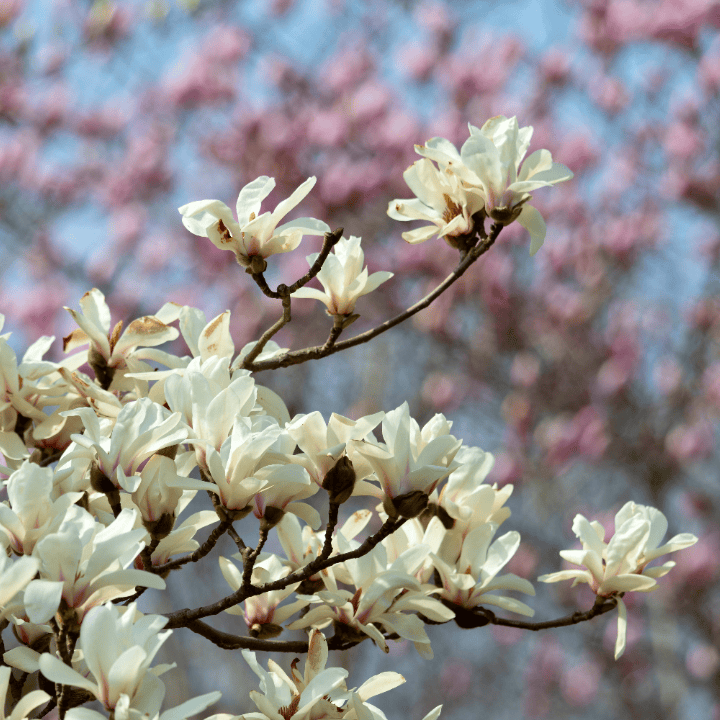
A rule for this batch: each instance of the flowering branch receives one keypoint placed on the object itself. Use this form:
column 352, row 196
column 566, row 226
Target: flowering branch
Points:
column 181, row 618
column 296, row 357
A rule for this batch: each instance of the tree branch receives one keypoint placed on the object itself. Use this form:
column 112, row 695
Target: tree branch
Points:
column 295, row 357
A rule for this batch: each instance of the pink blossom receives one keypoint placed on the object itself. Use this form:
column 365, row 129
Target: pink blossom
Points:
column 555, row 68
column 580, row 682
column 328, row 127
column 417, row 60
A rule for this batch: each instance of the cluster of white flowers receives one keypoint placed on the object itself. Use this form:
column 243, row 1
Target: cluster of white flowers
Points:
column 87, row 533
column 484, row 179
column 621, row 565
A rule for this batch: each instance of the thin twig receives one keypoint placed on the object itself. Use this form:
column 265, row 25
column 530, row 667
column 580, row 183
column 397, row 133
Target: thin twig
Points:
column 268, row 334
column 283, row 291
column 601, row 606
column 295, row 357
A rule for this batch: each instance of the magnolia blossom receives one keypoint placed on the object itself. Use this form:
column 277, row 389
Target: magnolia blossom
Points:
column 252, row 235
column 469, row 580
column 343, row 277
column 620, row 566
column 210, row 398
column 117, row 647
column 323, row 444
column 85, row 564
column 318, row 692
column 110, row 350
column 411, row 462
column 141, row 429
column 442, row 200
column 33, row 509
column 387, row 594
column 262, row 613
column 235, row 469
column 490, row 160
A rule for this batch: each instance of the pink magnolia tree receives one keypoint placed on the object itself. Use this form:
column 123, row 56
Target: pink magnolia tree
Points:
column 590, row 370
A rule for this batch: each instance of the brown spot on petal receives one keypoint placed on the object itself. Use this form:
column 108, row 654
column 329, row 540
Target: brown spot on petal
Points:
column 115, row 335
column 147, row 325
column 224, row 232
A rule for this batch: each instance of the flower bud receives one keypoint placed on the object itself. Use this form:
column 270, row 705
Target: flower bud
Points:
column 339, row 481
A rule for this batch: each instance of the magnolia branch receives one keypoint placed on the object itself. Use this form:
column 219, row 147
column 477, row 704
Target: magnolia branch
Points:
column 481, row 616
column 181, row 618
column 295, row 357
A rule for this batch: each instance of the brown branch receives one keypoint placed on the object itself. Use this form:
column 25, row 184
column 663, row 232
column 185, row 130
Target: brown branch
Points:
column 201, row 552
column 272, row 330
column 235, row 642
column 181, row 618
column 481, row 616
column 283, row 291
column 295, row 357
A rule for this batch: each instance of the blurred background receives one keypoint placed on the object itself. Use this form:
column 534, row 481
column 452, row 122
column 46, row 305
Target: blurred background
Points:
column 591, row 371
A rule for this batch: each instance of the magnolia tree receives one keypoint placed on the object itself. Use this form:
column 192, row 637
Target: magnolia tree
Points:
column 590, row 370
column 99, row 472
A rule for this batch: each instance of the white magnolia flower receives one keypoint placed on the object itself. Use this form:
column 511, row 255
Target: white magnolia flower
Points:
column 620, row 565
column 470, row 580
column 387, row 594
column 323, row 444
column 466, row 497
column 490, row 160
column 210, row 398
column 252, row 235
column 410, row 463
column 319, row 692
column 155, row 497
column 141, row 428
column 262, row 613
column 85, row 564
column 118, row 645
column 112, row 350
column 35, row 509
column 442, row 200
column 343, row 277
column 235, row 469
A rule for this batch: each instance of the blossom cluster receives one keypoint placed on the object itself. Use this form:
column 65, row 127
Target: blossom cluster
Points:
column 132, row 447
column 486, row 178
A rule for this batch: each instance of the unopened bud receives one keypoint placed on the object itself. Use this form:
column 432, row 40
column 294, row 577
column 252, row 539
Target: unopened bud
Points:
column 339, row 481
